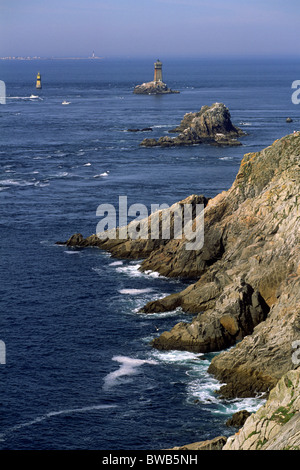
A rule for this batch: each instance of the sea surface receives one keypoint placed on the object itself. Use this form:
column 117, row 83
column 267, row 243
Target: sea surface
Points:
column 80, row 372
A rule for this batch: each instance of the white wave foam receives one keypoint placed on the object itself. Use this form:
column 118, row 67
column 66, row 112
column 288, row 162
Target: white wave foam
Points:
column 102, row 174
column 175, row 356
column 238, row 404
column 61, row 174
column 226, row 158
column 72, row 252
column 204, row 389
column 116, row 263
column 160, row 126
column 10, row 182
column 87, row 164
column 129, row 366
column 132, row 270
column 134, row 291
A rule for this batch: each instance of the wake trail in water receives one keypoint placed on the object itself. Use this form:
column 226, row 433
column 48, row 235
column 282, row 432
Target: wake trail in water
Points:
column 52, row 414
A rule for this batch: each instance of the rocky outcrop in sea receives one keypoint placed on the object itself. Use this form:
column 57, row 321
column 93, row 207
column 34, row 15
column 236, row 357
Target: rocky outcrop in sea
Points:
column 153, row 88
column 212, row 125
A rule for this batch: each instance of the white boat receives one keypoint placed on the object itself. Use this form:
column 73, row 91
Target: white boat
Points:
column 33, row 96
column 66, row 102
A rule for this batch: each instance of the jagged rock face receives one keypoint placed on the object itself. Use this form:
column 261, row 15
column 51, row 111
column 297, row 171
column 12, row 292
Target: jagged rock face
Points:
column 153, row 88
column 276, row 425
column 234, row 316
column 251, row 233
column 257, row 224
column 212, row 124
column 144, row 246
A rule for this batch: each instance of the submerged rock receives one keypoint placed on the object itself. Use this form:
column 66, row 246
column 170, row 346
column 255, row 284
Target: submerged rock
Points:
column 212, row 124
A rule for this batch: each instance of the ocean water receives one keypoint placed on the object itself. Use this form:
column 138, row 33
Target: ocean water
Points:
column 79, row 372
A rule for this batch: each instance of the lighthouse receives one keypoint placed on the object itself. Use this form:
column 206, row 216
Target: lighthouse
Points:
column 39, row 81
column 158, row 71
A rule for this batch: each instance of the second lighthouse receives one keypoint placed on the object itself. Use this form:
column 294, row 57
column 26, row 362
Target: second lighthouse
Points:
column 39, row 81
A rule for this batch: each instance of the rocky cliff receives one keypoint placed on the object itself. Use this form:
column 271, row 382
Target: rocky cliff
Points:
column 212, row 124
column 251, row 235
column 276, row 425
column 246, row 298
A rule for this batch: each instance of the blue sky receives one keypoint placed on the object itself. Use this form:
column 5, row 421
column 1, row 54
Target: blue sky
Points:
column 150, row 28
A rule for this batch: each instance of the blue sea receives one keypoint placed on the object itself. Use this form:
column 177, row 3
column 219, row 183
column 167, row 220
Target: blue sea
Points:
column 80, row 372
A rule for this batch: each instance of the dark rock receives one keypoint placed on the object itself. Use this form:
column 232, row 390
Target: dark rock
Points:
column 238, row 419
column 145, row 129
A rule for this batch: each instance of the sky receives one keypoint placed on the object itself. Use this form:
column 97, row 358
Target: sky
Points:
column 150, row 28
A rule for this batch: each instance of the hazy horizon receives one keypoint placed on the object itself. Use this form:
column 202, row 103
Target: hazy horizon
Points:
column 150, row 28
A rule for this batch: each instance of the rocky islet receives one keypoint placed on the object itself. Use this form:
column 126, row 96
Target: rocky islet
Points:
column 211, row 125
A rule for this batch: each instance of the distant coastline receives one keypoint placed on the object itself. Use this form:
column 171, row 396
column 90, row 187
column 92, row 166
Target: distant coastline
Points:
column 50, row 58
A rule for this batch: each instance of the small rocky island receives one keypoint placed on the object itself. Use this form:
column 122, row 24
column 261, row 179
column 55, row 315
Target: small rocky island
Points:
column 212, row 124
column 157, row 86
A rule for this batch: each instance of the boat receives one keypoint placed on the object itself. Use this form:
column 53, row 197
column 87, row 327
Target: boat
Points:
column 66, row 102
